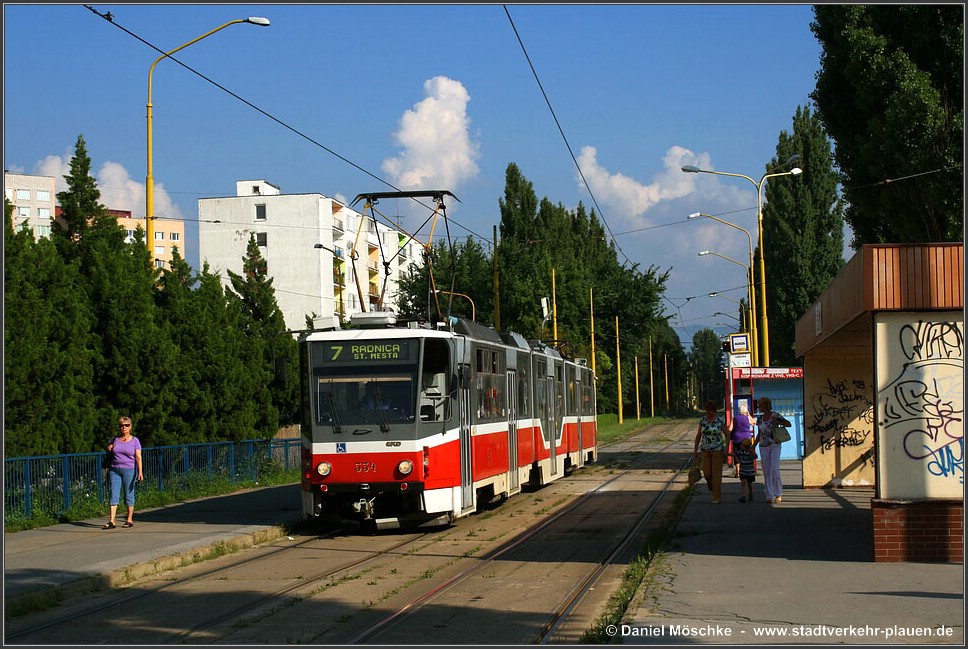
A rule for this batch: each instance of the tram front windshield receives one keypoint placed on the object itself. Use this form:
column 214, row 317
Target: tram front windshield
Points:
column 364, row 383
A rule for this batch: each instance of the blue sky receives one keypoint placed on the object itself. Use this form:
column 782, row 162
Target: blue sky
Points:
column 430, row 97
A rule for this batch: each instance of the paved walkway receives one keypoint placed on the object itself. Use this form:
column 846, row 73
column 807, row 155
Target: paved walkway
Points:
column 80, row 555
column 799, row 572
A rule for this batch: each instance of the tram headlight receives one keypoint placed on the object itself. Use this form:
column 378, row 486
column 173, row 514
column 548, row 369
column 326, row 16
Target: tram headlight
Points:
column 405, row 467
column 324, row 469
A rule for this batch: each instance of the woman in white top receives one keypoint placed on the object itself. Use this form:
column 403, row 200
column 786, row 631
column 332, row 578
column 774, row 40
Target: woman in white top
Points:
column 766, row 423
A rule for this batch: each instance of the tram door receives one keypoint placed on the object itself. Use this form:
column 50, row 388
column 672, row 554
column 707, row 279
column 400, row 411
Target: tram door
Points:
column 552, row 420
column 464, row 410
column 512, row 401
column 575, row 394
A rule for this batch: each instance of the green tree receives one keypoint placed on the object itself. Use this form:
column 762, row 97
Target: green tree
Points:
column 263, row 327
column 464, row 268
column 49, row 390
column 706, row 359
column 890, row 92
column 803, row 227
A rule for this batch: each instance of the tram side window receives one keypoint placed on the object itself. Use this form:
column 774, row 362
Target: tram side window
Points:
column 524, row 386
column 572, row 394
column 490, row 384
column 540, row 389
column 434, row 383
column 587, row 393
column 559, row 390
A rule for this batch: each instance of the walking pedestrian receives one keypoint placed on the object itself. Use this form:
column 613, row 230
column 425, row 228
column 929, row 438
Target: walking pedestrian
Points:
column 766, row 424
column 740, row 429
column 125, row 471
column 711, row 439
column 746, row 465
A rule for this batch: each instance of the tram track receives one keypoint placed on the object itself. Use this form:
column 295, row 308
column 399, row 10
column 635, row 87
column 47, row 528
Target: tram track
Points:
column 132, row 596
column 262, row 598
column 579, row 587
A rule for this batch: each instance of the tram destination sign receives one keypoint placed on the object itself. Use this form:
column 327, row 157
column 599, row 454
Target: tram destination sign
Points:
column 369, row 351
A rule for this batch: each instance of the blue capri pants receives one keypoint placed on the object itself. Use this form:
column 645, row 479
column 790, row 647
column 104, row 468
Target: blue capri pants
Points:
column 122, row 480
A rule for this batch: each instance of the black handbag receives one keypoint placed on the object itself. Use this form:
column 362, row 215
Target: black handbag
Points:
column 108, row 457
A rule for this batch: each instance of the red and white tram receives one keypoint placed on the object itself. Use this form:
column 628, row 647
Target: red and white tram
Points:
column 408, row 424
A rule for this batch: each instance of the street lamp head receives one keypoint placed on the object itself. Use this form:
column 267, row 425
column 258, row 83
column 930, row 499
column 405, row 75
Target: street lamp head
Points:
column 258, row 20
column 796, row 171
column 703, row 253
column 694, row 215
column 713, row 294
column 690, row 169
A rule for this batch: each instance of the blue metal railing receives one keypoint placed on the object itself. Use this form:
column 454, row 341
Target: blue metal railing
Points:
column 53, row 483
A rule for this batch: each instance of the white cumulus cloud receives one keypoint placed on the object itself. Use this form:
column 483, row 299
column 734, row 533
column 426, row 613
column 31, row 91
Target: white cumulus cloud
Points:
column 438, row 151
column 118, row 190
column 632, row 198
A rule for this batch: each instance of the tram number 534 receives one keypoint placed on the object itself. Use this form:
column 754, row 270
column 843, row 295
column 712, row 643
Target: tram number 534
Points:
column 365, row 467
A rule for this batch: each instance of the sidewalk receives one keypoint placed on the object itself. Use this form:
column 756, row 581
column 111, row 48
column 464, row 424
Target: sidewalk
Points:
column 799, row 572
column 81, row 555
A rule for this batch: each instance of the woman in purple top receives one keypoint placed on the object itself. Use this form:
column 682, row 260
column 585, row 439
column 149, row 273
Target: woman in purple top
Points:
column 125, row 471
column 741, row 428
column 743, row 424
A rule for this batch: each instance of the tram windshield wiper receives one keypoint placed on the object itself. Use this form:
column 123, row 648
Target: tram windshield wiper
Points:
column 381, row 408
column 334, row 412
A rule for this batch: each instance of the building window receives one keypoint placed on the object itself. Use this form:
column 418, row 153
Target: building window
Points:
column 260, row 212
column 43, row 212
column 260, row 239
column 43, row 195
column 159, row 236
column 23, row 212
column 43, row 230
column 175, row 236
column 129, row 235
column 255, row 190
column 159, row 263
column 23, row 194
column 160, row 250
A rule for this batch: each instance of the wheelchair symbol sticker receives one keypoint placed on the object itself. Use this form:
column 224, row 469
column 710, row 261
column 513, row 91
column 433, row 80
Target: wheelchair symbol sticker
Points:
column 340, row 447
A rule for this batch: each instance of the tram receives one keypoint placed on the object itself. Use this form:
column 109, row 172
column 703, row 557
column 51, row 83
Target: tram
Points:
column 420, row 423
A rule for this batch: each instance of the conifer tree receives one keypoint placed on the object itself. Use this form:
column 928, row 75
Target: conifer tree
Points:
column 49, row 389
column 264, row 329
column 803, row 230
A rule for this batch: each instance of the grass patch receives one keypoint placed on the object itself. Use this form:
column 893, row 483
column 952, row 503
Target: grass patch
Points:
column 609, row 430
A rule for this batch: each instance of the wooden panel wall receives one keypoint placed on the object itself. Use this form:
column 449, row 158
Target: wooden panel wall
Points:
column 916, row 277
column 887, row 277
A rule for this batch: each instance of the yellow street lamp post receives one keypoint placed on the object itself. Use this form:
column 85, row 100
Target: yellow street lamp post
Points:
column 738, row 263
column 754, row 346
column 150, row 180
column 796, row 171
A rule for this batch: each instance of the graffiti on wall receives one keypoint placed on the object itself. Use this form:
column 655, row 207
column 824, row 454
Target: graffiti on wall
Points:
column 843, row 414
column 923, row 402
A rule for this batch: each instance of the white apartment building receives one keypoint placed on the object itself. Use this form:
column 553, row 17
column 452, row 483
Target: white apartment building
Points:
column 308, row 242
column 34, row 201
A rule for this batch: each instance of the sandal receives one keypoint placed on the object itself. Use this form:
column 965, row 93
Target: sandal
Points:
column 128, row 524
column 109, row 526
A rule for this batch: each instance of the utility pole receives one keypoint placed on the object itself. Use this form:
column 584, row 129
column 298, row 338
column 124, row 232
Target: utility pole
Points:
column 618, row 363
